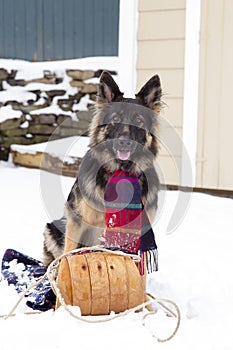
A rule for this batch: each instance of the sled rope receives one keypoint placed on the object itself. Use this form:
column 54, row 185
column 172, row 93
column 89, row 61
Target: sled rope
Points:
column 161, row 303
column 52, row 272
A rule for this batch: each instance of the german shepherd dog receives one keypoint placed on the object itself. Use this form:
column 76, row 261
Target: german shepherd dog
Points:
column 123, row 135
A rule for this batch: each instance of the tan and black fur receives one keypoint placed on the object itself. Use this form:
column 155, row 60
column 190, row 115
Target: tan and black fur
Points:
column 120, row 127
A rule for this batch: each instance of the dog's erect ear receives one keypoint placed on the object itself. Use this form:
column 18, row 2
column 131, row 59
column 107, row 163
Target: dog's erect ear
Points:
column 108, row 90
column 150, row 94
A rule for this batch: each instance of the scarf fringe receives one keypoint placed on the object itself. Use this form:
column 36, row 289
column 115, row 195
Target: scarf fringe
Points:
column 150, row 259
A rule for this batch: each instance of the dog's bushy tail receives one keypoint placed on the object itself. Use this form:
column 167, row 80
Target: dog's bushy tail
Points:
column 54, row 238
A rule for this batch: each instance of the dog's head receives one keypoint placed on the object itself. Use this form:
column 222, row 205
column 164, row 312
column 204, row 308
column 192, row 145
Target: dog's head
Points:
column 124, row 129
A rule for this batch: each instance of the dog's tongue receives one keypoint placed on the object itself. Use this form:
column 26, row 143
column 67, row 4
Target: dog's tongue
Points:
column 123, row 155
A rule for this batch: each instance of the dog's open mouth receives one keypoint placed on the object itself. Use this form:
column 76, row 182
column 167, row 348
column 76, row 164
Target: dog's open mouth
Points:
column 123, row 154
column 124, row 147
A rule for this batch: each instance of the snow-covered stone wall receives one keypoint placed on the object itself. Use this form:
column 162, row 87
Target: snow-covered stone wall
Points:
column 38, row 103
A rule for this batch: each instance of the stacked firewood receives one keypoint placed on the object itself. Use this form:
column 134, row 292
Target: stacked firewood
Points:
column 43, row 108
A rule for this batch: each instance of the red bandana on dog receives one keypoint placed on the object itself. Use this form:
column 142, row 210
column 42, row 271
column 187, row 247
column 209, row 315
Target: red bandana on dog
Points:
column 127, row 224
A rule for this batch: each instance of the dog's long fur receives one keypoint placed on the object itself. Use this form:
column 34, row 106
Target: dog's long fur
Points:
column 120, row 127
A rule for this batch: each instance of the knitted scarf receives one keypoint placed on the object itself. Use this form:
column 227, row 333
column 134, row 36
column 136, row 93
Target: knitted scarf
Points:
column 127, row 224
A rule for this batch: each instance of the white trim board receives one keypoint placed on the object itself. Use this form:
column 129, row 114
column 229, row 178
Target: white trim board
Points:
column 190, row 106
column 127, row 52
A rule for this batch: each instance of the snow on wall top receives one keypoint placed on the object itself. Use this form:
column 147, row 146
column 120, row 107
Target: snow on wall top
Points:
column 31, row 76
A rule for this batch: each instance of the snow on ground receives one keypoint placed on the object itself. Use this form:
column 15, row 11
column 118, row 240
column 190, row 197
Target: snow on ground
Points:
column 195, row 270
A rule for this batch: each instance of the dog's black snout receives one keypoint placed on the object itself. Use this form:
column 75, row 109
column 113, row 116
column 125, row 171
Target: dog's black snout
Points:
column 124, row 142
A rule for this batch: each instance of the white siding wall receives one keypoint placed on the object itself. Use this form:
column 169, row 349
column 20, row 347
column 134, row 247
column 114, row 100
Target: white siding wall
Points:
column 215, row 129
column 161, row 45
column 162, row 40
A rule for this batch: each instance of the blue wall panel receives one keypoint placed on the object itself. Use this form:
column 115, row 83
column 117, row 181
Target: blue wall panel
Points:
column 58, row 29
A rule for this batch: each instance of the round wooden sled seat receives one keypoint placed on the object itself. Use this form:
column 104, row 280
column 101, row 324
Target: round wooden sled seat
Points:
column 100, row 282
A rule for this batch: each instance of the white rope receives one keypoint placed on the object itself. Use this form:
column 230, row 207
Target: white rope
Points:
column 52, row 272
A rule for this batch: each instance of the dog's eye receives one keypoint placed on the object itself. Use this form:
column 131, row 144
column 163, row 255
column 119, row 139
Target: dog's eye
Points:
column 116, row 118
column 139, row 120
